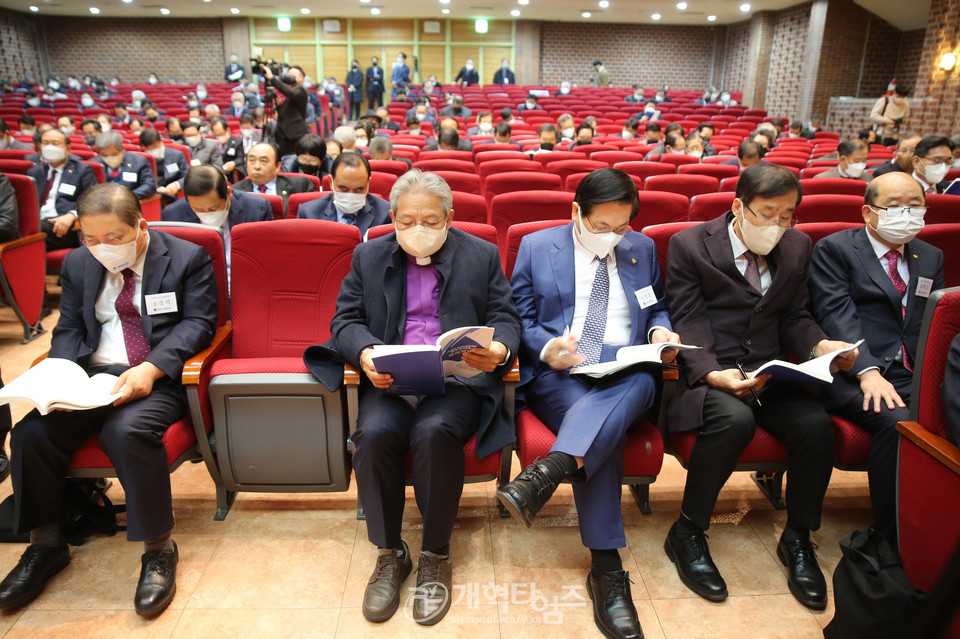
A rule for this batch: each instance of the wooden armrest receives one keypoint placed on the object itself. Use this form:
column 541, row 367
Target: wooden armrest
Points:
column 22, row 241
column 39, row 359
column 934, row 445
column 195, row 365
column 152, row 198
column 350, row 376
column 671, row 373
column 512, row 376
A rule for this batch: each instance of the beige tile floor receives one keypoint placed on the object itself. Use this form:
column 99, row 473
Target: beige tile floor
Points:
column 295, row 565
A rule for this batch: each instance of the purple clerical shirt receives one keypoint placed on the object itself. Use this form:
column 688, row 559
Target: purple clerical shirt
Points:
column 423, row 304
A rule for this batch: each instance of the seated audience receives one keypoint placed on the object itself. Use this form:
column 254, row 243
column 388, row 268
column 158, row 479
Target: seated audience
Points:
column 484, row 124
column 931, row 160
column 229, row 145
column 347, row 137
column 652, row 133
column 60, row 178
column 263, row 164
column 630, row 128
column 456, row 109
column 529, row 105
column 748, row 154
column 853, row 162
column 350, row 202
column 7, row 141
column 547, row 137
column 382, row 149
column 123, row 167
column 584, row 136
column 705, row 131
column 566, row 127
column 903, row 160
column 171, row 165
column 309, row 157
column 202, row 150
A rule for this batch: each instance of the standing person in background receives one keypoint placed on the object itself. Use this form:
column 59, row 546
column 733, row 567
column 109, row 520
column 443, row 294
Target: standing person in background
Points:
column 400, row 76
column 504, row 75
column 292, row 112
column 374, row 83
column 602, row 77
column 889, row 113
column 467, row 75
column 354, row 90
column 234, row 72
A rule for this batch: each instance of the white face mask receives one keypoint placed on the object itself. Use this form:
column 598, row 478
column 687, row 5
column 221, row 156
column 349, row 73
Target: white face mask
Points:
column 192, row 103
column 469, row 67
column 34, row 102
column 52, row 154
column 650, row 109
column 626, row 134
column 193, row 140
column 600, row 244
column 105, row 127
column 421, row 116
column 362, row 142
column 696, row 154
column 152, row 80
column 505, row 66
column 53, row 84
column 936, row 172
column 531, row 105
column 349, row 203
column 68, row 130
column 116, row 258
column 238, row 106
column 567, row 133
column 113, row 161
column 759, row 239
column 113, row 83
column 564, row 90
column 247, row 133
column 213, row 218
column 202, row 95
column 897, row 227
column 87, row 102
column 135, row 104
column 855, row 169
column 421, row 242
column 486, row 127
column 4, row 142
column 413, row 131
column 157, row 153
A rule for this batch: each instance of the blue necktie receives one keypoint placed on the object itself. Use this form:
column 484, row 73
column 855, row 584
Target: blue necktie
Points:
column 595, row 324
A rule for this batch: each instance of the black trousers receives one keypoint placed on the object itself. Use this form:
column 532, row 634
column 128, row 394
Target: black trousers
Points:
column 790, row 414
column 355, row 110
column 42, row 446
column 884, row 447
column 71, row 239
column 6, row 422
column 374, row 99
column 433, row 434
column 285, row 144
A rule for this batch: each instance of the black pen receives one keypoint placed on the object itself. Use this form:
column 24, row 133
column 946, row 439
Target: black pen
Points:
column 752, row 390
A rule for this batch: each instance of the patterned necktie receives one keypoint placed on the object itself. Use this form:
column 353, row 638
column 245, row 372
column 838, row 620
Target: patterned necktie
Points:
column 350, row 218
column 134, row 338
column 48, row 186
column 595, row 324
column 901, row 287
column 262, row 188
column 752, row 272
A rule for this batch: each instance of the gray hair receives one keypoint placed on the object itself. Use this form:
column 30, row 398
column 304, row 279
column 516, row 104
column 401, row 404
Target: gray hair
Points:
column 430, row 183
column 106, row 140
column 344, row 133
column 381, row 144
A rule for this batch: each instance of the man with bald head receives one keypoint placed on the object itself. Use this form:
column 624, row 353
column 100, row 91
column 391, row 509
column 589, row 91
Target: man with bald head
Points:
column 263, row 163
column 872, row 283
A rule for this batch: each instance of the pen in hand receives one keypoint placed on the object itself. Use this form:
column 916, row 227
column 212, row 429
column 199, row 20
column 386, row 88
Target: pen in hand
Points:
column 753, row 391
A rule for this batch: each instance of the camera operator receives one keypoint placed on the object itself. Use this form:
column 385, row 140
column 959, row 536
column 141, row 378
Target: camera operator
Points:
column 889, row 113
column 292, row 112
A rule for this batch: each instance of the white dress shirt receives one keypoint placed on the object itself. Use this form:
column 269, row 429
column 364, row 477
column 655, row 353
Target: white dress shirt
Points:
column 903, row 269
column 617, row 331
column 927, row 187
column 271, row 187
column 740, row 260
column 112, row 348
column 48, row 209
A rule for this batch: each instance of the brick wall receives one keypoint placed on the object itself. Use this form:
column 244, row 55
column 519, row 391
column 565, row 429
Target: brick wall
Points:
column 848, row 116
column 652, row 55
column 132, row 48
column 935, row 105
column 735, row 57
column 908, row 62
column 883, row 48
column 236, row 39
column 786, row 62
column 20, row 46
column 841, row 53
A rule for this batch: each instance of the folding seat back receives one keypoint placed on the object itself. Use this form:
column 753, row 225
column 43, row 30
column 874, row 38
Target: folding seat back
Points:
column 460, row 166
column 813, row 171
column 644, row 170
column 558, row 156
column 661, row 234
column 942, row 209
column 520, row 181
column 719, row 171
column 515, row 235
column 613, row 157
column 462, row 182
column 15, row 167
column 730, row 183
column 465, row 156
column 276, row 204
column 564, row 168
column 837, row 186
column 688, row 185
column 317, row 184
column 296, row 200
column 660, row 207
column 945, row 237
column 489, row 156
column 528, row 206
column 830, row 208
column 819, row 230
column 23, row 261
column 707, row 206
column 677, row 159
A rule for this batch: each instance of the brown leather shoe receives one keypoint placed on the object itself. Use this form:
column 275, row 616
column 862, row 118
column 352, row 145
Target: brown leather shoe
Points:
column 432, row 598
column 382, row 596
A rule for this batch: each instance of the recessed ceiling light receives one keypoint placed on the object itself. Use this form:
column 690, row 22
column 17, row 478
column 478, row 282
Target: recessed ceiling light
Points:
column 234, row 10
column 586, row 14
column 444, row 1
column 745, row 7
column 523, row 2
column 375, row 10
column 711, row 18
column 165, row 11
column 603, row 4
column 445, row 11
column 655, row 16
column 94, row 10
column 127, row 1
column 34, row 8
column 305, row 11
column 364, row 1
column 682, row 6
column 515, row 12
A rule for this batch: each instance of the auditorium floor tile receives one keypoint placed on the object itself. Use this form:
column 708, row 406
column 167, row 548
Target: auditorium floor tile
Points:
column 295, row 565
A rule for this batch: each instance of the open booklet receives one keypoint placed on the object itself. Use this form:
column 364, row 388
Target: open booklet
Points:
column 953, row 188
column 813, row 371
column 420, row 370
column 60, row 383
column 630, row 356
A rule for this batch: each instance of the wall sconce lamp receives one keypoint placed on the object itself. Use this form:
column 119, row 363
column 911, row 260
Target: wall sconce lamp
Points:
column 948, row 61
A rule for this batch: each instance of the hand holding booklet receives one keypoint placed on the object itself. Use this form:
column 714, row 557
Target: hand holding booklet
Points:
column 630, row 356
column 814, row 371
column 60, row 383
column 421, row 369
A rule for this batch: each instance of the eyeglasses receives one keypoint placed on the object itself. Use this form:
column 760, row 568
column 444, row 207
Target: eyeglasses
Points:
column 620, row 230
column 897, row 211
column 430, row 223
column 769, row 221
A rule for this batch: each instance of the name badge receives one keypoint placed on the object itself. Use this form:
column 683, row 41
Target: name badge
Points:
column 67, row 189
column 129, row 176
column 161, row 303
column 646, row 297
column 231, row 151
column 924, row 286
column 172, row 168
column 194, row 162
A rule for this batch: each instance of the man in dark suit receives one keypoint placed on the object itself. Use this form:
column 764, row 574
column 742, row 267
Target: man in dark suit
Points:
column 123, row 167
column 9, row 213
column 467, row 75
column 409, row 287
column 504, row 75
column 748, row 154
column 931, row 161
column 951, row 392
column 263, row 163
column 292, row 112
column 136, row 303
column 203, row 150
column 234, row 71
column 171, row 165
column 903, row 161
column 737, row 287
column 374, row 84
column 61, row 178
column 383, row 113
column 350, row 202
column 584, row 291
column 209, row 199
column 872, row 283
column 7, row 141
column 231, row 147
column 354, row 84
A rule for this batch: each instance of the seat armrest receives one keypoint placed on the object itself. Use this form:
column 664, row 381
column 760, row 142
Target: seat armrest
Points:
column 512, row 376
column 39, row 359
column 351, row 377
column 194, row 367
column 934, row 445
column 22, row 241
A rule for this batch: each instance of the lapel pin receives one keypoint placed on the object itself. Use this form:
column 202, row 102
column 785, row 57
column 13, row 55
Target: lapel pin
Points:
column 915, row 256
column 633, row 261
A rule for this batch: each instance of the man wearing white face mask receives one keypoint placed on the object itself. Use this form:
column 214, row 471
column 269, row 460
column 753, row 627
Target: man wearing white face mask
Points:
column 61, row 178
column 202, row 150
column 171, row 165
column 238, row 106
column 123, row 167
column 872, row 283
column 400, row 75
column 351, row 202
column 467, row 75
column 529, row 105
column 409, row 287
column 136, row 303
column 504, row 75
column 564, row 89
column 7, row 141
column 484, row 125
column 737, row 287
column 209, row 200
column 584, row 291
column 853, row 162
column 931, row 161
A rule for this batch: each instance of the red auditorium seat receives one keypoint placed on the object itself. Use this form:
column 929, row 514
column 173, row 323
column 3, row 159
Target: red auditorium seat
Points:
column 23, row 261
column 465, row 156
column 838, row 186
column 16, row 167
column 484, row 148
column 688, row 185
column 945, row 237
column 528, row 206
column 942, row 209
column 661, row 234
column 506, row 166
column 644, row 170
column 489, row 156
column 813, row 171
column 558, row 156
column 510, row 182
column 730, row 183
column 660, row 207
column 445, row 165
column 515, row 235
column 568, row 167
column 819, row 230
column 719, row 171
column 828, row 207
column 707, row 206
column 296, row 199
column 469, row 207
column 613, row 157
column 276, row 204
column 394, row 167
column 459, row 181
column 677, row 159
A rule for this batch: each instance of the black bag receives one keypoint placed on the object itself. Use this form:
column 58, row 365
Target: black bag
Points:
column 86, row 510
column 872, row 596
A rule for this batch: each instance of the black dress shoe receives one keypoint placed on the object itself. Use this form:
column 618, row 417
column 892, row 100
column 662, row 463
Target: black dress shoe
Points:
column 527, row 494
column 695, row 565
column 4, row 463
column 158, row 581
column 613, row 609
column 806, row 580
column 26, row 581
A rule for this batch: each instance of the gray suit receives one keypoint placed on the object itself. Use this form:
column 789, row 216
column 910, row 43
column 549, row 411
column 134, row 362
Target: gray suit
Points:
column 834, row 172
column 207, row 152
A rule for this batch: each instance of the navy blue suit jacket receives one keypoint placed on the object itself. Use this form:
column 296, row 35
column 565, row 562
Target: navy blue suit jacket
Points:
column 135, row 174
column 244, row 207
column 853, row 298
column 75, row 173
column 544, row 290
column 172, row 265
column 374, row 213
column 166, row 174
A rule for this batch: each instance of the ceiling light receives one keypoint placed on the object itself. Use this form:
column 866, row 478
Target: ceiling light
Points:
column 94, row 11
column 445, row 11
column 165, row 11
column 305, row 11
column 481, row 26
column 515, row 12
column 711, row 18
column 34, row 8
column 234, row 10
column 283, row 24
column 745, row 7
column 655, row 16
column 131, row 1
column 375, row 10
column 364, row 1
column 586, row 14
column 524, row 2
column 444, row 1
column 682, row 6
column 603, row 4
